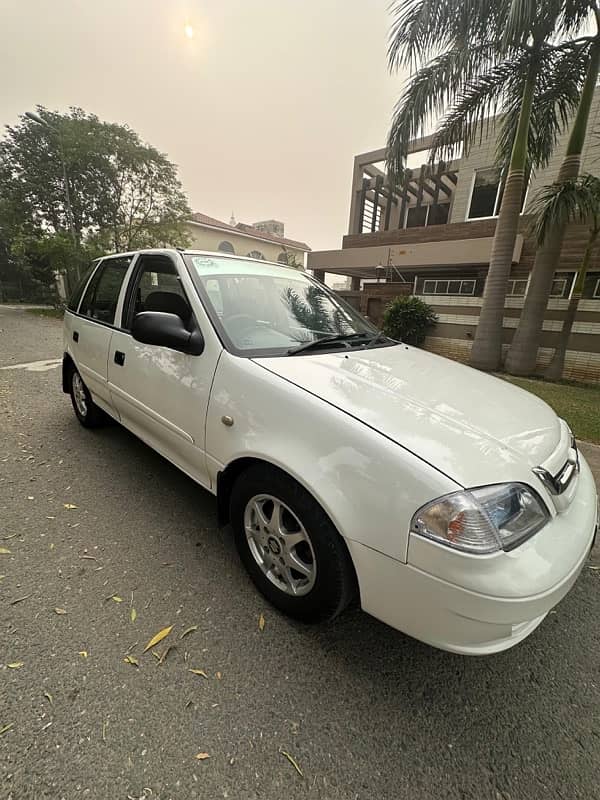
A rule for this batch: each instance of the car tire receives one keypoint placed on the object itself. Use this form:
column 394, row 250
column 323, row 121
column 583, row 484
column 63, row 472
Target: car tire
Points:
column 302, row 566
column 86, row 411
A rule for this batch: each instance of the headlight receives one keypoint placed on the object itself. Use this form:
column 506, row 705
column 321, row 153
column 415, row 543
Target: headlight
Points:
column 483, row 520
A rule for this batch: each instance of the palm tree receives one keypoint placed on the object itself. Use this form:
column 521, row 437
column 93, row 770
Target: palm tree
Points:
column 522, row 355
column 572, row 200
column 515, row 58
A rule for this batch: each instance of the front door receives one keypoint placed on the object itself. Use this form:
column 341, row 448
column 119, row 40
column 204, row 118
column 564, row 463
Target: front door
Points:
column 162, row 395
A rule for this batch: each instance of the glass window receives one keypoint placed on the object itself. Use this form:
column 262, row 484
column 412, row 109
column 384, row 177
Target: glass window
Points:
column 416, row 217
column 517, row 287
column 485, row 193
column 467, row 287
column 428, row 287
column 597, row 289
column 265, row 307
column 438, row 215
column 102, row 294
column 456, row 286
column 158, row 288
column 256, row 254
column 78, row 291
column 282, row 258
column 561, row 285
column 226, row 247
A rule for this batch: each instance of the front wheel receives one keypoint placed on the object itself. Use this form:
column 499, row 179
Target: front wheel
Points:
column 86, row 410
column 289, row 546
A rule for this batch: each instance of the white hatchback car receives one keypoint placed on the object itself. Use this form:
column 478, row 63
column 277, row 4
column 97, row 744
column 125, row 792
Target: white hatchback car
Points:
column 453, row 505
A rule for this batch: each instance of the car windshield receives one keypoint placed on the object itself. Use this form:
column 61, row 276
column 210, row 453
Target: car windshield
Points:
column 263, row 308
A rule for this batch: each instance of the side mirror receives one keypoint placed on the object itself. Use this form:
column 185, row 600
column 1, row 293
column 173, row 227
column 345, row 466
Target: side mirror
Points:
column 166, row 330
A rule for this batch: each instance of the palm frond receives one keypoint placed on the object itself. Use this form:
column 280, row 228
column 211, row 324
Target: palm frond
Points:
column 429, row 92
column 575, row 15
column 574, row 200
column 561, row 72
column 420, row 27
column 474, row 113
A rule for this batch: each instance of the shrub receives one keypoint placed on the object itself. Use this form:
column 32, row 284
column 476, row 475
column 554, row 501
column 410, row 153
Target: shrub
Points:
column 408, row 319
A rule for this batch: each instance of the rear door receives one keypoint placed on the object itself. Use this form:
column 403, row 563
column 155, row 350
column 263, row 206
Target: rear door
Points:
column 161, row 394
column 91, row 329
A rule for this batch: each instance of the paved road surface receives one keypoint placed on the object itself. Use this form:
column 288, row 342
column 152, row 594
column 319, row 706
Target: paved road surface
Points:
column 365, row 711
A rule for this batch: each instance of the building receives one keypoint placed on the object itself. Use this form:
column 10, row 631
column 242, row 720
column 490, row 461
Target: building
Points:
column 264, row 240
column 433, row 238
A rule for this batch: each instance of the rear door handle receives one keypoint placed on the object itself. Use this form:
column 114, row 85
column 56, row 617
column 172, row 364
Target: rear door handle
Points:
column 75, row 336
column 119, row 358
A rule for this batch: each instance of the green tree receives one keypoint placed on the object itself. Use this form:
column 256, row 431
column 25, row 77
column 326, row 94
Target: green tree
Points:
column 122, row 190
column 572, row 200
column 408, row 319
column 515, row 67
column 522, row 355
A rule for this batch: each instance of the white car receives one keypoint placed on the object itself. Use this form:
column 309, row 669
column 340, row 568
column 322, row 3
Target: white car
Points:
column 454, row 506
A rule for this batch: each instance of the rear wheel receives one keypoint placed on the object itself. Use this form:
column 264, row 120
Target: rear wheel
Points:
column 86, row 410
column 289, row 546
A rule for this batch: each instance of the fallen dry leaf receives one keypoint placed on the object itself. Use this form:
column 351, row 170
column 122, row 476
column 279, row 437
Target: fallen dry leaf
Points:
column 116, row 598
column 60, row 610
column 131, row 660
column 199, row 672
column 48, row 697
column 6, row 728
column 202, row 756
column 261, row 622
column 164, row 654
column 219, row 675
column 292, row 761
column 16, row 665
column 159, row 637
column 83, row 653
column 19, row 600
column 68, row 505
column 4, row 551
column 189, row 630
column 133, row 615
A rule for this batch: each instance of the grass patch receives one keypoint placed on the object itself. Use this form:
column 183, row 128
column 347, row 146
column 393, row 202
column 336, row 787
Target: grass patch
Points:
column 578, row 405
column 54, row 313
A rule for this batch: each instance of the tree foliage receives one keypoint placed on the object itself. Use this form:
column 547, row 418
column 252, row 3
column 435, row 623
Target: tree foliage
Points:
column 124, row 193
column 408, row 319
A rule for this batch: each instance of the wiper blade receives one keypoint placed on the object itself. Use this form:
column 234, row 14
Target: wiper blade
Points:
column 340, row 337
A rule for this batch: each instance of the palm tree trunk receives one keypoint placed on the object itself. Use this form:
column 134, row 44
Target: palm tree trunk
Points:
column 487, row 347
column 522, row 355
column 555, row 369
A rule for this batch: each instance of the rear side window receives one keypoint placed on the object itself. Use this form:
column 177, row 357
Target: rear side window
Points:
column 102, row 294
column 78, row 291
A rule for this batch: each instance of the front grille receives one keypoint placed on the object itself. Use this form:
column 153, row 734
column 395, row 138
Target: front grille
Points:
column 559, row 483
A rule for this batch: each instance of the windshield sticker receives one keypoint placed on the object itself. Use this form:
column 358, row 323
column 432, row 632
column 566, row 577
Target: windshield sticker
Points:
column 204, row 262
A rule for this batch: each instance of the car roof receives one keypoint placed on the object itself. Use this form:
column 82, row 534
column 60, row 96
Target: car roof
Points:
column 190, row 252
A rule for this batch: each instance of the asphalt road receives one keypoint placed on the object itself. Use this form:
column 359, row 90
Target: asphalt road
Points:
column 363, row 710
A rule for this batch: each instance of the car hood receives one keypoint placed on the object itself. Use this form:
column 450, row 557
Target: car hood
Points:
column 471, row 426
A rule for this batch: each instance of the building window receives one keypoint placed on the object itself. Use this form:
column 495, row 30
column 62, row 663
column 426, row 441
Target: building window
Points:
column 282, row 258
column 256, row 254
column 486, row 195
column 517, row 287
column 226, row 247
column 562, row 283
column 597, row 290
column 457, row 286
column 426, row 215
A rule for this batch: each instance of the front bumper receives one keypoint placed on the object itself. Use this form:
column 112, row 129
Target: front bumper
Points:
column 478, row 605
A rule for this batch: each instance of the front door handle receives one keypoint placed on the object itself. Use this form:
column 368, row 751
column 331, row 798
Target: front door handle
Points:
column 119, row 358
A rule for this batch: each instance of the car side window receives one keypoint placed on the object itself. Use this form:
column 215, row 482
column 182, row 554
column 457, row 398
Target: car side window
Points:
column 78, row 291
column 102, row 294
column 157, row 287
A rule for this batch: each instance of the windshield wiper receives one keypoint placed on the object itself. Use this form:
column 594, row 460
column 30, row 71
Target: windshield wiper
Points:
column 339, row 337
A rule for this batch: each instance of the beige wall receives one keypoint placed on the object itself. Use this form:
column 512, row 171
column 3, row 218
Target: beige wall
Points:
column 208, row 239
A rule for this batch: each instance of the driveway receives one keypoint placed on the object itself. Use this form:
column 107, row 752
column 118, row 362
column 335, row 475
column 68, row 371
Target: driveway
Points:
column 97, row 526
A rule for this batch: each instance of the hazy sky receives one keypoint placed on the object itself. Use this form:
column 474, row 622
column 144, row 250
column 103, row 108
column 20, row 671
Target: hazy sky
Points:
column 263, row 110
